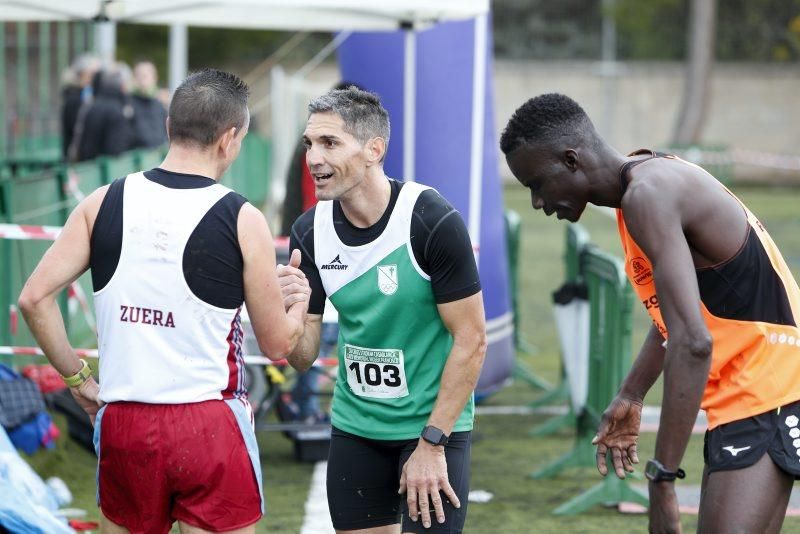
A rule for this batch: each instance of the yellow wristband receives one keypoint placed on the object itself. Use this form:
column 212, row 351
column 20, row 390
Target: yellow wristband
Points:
column 80, row 377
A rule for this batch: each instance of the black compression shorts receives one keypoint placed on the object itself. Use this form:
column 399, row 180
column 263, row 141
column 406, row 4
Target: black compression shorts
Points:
column 364, row 476
column 742, row 443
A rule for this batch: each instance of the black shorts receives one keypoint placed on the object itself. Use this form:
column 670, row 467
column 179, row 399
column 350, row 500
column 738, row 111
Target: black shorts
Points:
column 364, row 476
column 742, row 443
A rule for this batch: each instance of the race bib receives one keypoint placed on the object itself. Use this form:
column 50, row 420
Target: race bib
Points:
column 375, row 373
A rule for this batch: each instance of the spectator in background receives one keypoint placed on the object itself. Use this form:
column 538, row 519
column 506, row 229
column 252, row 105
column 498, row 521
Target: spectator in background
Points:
column 77, row 90
column 104, row 126
column 149, row 114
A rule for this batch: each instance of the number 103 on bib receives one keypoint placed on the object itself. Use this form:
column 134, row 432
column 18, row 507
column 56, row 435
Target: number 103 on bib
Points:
column 375, row 373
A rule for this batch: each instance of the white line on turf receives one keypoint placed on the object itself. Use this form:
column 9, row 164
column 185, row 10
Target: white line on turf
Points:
column 520, row 410
column 317, row 519
column 650, row 414
column 647, row 411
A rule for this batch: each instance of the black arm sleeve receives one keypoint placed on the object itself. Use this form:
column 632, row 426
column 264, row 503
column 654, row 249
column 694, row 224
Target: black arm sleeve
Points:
column 302, row 237
column 443, row 248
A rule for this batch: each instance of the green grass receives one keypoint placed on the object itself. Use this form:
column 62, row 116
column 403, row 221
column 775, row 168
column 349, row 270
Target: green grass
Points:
column 503, row 454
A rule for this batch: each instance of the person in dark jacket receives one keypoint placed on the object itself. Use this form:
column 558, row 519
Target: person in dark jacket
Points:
column 104, row 126
column 77, row 90
column 149, row 114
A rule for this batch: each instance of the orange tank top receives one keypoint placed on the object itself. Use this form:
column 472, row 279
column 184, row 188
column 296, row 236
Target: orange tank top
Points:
column 751, row 305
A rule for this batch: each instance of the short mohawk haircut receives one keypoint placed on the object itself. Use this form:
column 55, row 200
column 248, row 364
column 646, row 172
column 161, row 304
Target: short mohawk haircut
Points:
column 543, row 119
column 207, row 103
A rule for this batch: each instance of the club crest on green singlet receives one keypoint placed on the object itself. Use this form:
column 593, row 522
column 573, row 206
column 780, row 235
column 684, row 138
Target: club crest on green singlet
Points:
column 387, row 279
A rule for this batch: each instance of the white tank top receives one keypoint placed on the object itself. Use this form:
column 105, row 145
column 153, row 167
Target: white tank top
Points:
column 158, row 342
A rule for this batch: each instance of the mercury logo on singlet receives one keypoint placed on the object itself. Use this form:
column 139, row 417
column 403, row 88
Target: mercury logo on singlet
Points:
column 335, row 264
column 135, row 314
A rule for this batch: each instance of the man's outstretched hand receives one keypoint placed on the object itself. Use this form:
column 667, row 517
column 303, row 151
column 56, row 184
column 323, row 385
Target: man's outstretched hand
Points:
column 619, row 433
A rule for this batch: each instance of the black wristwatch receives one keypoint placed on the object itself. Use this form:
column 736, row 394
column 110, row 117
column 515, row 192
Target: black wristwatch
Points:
column 434, row 436
column 656, row 472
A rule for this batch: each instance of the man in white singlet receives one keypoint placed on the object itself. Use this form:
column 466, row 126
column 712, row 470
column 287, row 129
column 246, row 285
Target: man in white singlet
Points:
column 173, row 256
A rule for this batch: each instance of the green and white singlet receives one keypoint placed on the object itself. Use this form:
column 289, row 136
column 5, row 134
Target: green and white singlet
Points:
column 393, row 345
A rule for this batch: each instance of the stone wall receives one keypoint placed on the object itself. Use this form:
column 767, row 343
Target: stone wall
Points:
column 753, row 106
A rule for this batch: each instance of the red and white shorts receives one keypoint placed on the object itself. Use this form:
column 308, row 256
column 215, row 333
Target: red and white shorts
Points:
column 196, row 463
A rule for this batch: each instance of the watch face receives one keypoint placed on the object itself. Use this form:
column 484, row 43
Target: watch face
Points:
column 433, row 435
column 652, row 471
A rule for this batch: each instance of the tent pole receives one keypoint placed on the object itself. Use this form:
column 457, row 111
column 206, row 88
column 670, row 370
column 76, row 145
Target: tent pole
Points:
column 409, row 101
column 4, row 128
column 23, row 90
column 42, row 122
column 478, row 117
column 178, row 54
column 106, row 40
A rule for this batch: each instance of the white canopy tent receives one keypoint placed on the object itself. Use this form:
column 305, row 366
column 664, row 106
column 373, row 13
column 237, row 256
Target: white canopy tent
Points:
column 311, row 15
column 294, row 15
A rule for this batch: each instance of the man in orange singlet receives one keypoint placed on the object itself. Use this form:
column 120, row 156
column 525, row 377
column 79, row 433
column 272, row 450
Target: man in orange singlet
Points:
column 725, row 317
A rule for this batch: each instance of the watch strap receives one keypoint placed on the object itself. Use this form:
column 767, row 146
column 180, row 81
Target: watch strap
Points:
column 656, row 472
column 80, row 377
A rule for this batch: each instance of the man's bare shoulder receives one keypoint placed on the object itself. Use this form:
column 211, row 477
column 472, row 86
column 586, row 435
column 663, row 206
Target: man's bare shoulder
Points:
column 653, row 205
column 90, row 206
column 97, row 196
column 254, row 234
column 251, row 218
column 248, row 210
column 657, row 184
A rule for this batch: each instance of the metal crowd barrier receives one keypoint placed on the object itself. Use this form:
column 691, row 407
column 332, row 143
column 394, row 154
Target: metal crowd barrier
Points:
column 595, row 366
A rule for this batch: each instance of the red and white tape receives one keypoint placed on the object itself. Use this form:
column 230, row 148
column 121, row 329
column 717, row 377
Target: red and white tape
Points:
column 72, row 187
column 76, row 297
column 25, row 232
column 28, row 232
column 739, row 156
column 92, row 353
column 36, row 351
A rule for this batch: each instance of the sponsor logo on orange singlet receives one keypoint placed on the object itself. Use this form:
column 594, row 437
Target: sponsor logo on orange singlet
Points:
column 642, row 274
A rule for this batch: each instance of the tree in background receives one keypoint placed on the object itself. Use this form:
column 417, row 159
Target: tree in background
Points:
column 747, row 30
column 697, row 86
column 652, row 30
column 759, row 30
column 543, row 29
